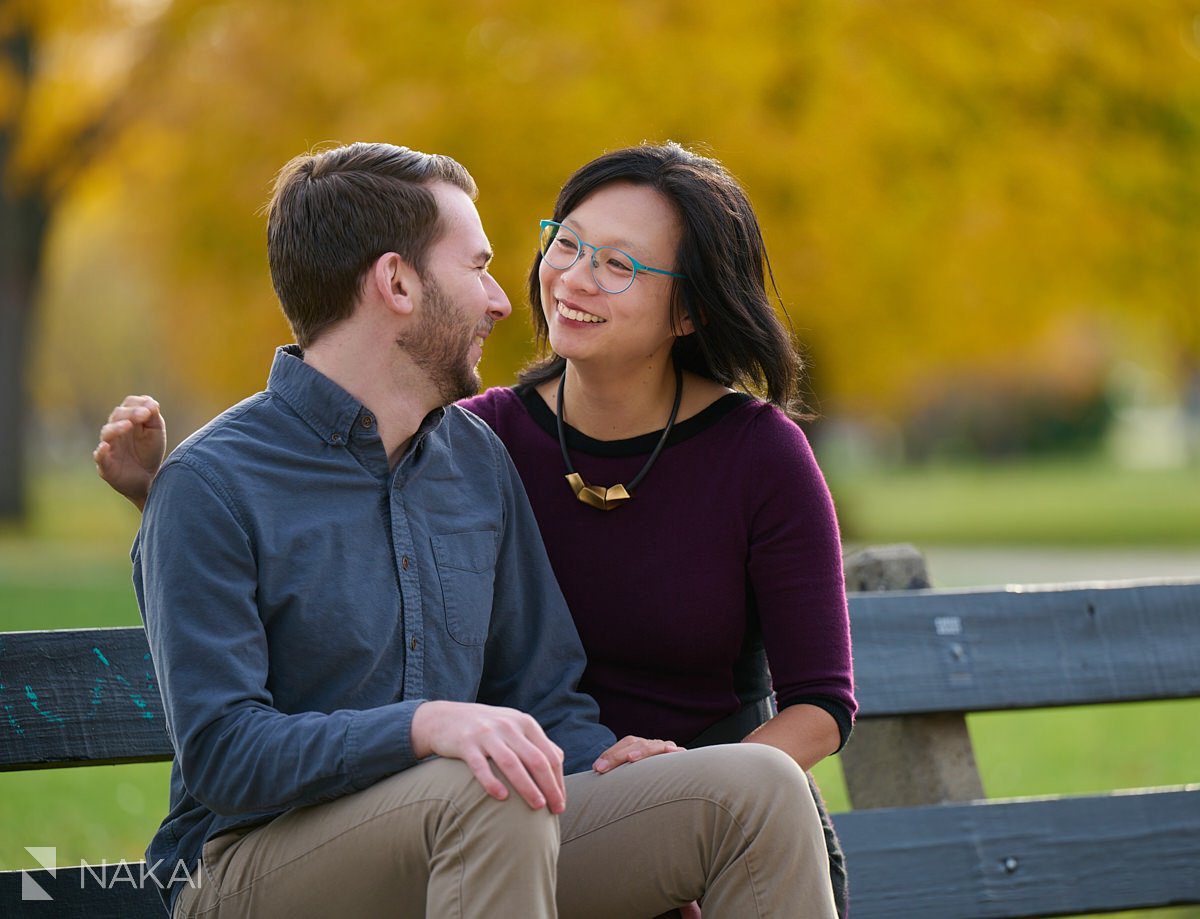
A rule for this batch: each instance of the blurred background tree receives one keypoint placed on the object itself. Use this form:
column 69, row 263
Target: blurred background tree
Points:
column 975, row 211
column 70, row 77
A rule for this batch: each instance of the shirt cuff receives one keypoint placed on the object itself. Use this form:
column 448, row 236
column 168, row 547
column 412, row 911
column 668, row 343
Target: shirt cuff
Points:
column 379, row 742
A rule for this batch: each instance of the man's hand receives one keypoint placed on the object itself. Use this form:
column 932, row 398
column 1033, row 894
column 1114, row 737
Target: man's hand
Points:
column 514, row 741
column 630, row 749
column 132, row 446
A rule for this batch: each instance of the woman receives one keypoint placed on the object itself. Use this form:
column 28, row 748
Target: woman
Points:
column 687, row 522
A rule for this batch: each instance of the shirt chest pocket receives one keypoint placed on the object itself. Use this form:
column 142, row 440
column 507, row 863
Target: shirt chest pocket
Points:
column 466, row 566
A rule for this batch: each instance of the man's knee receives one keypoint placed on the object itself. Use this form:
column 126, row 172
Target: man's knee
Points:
column 469, row 809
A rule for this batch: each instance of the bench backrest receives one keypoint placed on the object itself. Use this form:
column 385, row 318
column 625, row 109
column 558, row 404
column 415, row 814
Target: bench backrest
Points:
column 923, row 659
column 90, row 696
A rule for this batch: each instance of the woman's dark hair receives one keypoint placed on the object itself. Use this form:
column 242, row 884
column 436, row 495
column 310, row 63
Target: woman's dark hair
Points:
column 739, row 340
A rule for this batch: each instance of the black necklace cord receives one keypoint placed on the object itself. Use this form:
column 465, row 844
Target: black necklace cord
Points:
column 560, row 412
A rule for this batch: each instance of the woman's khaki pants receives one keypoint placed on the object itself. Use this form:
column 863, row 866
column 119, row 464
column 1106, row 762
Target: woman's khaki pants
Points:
column 733, row 826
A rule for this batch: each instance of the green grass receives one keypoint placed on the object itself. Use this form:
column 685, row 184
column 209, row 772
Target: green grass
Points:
column 69, row 568
column 94, row 813
column 49, row 582
column 1073, row 503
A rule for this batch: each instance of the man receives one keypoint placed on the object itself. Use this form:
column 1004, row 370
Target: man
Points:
column 368, row 670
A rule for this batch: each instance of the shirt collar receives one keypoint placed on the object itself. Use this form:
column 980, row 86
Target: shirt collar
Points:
column 325, row 407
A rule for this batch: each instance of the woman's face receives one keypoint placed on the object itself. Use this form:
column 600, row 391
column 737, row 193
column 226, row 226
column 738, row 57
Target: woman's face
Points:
column 586, row 322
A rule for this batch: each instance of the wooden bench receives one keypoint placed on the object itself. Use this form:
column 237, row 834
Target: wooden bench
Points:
column 921, row 841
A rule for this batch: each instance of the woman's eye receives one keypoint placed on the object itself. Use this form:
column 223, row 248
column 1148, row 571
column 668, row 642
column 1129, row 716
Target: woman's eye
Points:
column 620, row 265
column 566, row 244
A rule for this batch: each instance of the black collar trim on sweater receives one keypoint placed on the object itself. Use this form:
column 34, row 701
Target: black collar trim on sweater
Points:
column 630, row 446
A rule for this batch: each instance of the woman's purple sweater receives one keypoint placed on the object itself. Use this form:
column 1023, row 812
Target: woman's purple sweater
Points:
column 728, row 547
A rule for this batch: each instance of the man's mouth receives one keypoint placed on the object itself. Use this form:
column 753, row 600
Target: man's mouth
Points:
column 483, row 332
column 577, row 315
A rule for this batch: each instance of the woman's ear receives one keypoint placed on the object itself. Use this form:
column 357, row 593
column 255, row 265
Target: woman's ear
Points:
column 681, row 322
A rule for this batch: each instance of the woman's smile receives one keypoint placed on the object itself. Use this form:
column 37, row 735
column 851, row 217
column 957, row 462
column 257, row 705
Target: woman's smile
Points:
column 572, row 313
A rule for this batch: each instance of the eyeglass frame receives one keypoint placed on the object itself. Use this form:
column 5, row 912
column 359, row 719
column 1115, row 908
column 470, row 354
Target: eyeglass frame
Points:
column 637, row 266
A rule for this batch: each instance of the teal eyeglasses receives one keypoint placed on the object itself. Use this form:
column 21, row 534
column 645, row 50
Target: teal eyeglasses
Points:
column 613, row 269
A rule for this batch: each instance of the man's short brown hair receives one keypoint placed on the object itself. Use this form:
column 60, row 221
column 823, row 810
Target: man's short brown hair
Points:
column 332, row 214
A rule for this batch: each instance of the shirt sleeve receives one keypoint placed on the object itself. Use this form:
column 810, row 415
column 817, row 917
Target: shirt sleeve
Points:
column 195, row 574
column 795, row 572
column 534, row 659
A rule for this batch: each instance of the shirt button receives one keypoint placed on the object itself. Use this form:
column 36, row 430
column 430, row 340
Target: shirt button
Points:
column 404, row 563
column 367, row 422
column 336, row 437
column 413, row 645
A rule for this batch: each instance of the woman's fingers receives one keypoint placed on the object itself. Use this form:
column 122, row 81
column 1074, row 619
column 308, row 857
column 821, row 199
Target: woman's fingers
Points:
column 113, row 430
column 139, row 413
column 631, row 749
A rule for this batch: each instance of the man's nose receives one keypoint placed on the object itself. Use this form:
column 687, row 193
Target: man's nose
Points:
column 498, row 304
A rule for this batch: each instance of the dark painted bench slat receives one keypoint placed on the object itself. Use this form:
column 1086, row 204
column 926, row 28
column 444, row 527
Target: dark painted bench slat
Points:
column 91, row 900
column 89, row 695
column 1057, row 856
column 983, row 650
column 79, row 696
column 990, row 859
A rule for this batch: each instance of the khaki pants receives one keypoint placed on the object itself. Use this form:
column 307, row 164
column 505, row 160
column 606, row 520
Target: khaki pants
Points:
column 734, row 827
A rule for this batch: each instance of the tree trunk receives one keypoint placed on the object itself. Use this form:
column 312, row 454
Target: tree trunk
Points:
column 24, row 215
column 23, row 220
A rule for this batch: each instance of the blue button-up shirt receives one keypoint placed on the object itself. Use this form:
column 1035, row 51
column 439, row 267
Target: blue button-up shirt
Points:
column 301, row 599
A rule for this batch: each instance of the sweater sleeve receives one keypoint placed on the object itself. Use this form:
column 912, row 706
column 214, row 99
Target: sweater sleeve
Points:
column 795, row 572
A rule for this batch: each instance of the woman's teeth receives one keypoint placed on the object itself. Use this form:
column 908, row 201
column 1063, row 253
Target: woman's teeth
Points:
column 577, row 315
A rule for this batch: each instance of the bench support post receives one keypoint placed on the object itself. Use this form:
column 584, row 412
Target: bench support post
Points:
column 918, row 759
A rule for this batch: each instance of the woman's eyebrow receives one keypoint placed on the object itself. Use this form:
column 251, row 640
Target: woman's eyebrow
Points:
column 620, row 243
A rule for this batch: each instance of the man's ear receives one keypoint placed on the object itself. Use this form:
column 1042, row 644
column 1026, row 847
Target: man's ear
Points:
column 395, row 282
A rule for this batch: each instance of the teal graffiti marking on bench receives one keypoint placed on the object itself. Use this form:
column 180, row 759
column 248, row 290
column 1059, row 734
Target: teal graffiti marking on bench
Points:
column 922, row 841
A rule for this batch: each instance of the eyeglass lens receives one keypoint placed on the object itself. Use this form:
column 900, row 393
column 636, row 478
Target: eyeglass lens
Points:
column 612, row 269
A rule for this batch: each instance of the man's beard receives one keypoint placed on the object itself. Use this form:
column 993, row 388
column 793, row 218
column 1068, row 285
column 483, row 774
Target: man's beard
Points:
column 440, row 344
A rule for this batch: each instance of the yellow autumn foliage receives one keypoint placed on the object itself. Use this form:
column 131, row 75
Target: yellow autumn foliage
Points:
column 953, row 193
